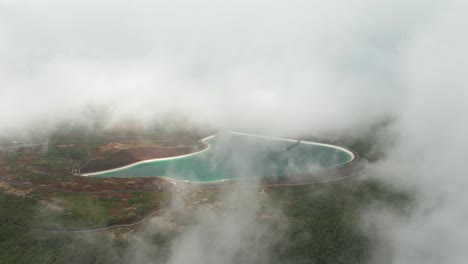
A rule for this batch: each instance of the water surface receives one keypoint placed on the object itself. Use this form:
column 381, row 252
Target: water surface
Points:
column 234, row 155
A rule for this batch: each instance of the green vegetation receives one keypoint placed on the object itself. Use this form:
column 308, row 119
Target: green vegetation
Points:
column 312, row 224
column 322, row 224
column 23, row 238
column 325, row 226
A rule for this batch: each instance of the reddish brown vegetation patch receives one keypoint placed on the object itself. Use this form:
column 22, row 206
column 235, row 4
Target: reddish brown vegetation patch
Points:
column 65, row 145
column 48, row 171
column 128, row 156
column 113, row 146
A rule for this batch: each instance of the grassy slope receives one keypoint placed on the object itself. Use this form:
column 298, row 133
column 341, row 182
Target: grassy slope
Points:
column 324, row 226
column 20, row 242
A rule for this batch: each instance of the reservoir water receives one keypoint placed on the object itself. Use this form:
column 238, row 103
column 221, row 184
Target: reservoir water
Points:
column 236, row 155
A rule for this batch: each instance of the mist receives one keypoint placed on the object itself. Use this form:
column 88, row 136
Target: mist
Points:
column 331, row 69
column 214, row 62
column 429, row 158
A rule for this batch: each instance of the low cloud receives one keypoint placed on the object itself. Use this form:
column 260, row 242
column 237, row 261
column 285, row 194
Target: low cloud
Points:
column 328, row 69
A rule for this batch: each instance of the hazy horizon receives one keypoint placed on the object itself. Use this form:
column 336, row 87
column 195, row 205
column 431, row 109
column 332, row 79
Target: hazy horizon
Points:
column 333, row 69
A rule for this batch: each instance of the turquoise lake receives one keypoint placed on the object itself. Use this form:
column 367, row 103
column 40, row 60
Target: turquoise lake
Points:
column 235, row 155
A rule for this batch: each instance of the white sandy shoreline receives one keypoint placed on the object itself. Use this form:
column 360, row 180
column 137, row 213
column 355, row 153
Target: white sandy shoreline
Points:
column 353, row 156
column 151, row 160
column 350, row 153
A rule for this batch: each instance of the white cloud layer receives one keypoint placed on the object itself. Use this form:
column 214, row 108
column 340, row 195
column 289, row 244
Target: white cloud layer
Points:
column 284, row 66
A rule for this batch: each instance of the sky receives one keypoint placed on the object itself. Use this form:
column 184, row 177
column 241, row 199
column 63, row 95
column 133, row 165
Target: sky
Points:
column 292, row 65
column 279, row 67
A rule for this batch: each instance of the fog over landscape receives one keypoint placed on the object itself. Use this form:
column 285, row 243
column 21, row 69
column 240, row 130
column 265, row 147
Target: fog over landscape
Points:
column 325, row 68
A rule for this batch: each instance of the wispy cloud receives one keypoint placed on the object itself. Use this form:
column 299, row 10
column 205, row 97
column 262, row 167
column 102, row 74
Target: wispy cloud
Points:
column 327, row 68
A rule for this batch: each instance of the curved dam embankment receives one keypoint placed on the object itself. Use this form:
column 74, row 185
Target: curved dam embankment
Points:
column 237, row 155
